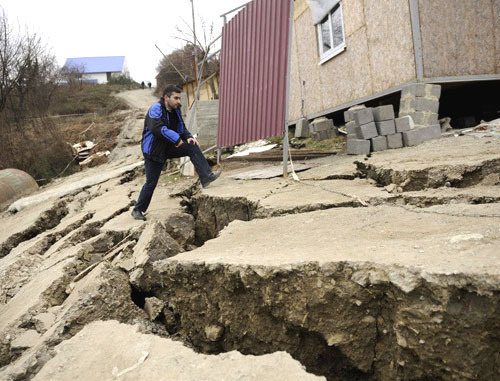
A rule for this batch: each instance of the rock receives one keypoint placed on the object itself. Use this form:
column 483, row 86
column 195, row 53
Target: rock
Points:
column 44, row 321
column 214, row 332
column 181, row 227
column 153, row 307
column 27, row 339
column 391, row 188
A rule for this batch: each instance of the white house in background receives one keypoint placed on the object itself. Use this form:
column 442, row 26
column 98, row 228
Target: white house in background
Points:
column 98, row 69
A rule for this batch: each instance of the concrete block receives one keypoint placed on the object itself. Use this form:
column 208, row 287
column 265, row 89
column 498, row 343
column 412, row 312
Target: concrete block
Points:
column 433, row 91
column 350, row 127
column 322, row 135
column 412, row 138
column 382, row 113
column 405, row 123
column 358, row 147
column 352, row 136
column 386, row 127
column 430, row 105
column 363, row 116
column 422, row 118
column 302, row 128
column 430, row 132
column 320, row 124
column 367, row 131
column 395, row 141
column 348, row 116
column 413, row 90
column 378, row 143
column 421, row 90
column 187, row 167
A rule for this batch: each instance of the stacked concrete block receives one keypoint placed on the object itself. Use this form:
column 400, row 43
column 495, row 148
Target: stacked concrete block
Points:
column 395, row 141
column 321, row 129
column 302, row 128
column 358, row 147
column 420, row 102
column 361, row 129
column 378, row 143
column 404, row 123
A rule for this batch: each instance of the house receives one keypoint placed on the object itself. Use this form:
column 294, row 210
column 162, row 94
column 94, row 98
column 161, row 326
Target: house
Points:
column 347, row 52
column 97, row 69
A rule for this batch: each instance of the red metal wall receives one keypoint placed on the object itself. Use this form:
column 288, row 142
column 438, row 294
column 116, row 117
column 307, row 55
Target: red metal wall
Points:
column 253, row 73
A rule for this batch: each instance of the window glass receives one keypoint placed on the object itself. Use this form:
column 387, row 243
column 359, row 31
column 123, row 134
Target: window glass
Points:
column 325, row 35
column 337, row 27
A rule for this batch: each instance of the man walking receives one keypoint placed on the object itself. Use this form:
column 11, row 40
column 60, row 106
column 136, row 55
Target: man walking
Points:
column 165, row 137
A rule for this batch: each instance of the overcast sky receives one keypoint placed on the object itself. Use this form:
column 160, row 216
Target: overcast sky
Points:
column 94, row 28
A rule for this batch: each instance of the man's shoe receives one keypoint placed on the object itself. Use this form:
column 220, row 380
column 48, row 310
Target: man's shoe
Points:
column 211, row 178
column 137, row 214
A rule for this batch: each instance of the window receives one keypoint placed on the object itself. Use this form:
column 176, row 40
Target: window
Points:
column 331, row 34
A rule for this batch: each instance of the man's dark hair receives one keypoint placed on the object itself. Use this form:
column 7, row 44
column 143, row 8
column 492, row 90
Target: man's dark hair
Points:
column 171, row 89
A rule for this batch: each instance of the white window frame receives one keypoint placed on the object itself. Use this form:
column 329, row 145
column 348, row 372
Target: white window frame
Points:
column 330, row 53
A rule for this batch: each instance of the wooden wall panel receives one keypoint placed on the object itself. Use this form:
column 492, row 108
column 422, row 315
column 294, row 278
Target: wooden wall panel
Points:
column 390, row 43
column 458, row 37
column 308, row 68
column 347, row 76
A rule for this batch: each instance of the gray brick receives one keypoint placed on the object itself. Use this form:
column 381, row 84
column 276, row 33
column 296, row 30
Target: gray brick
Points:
column 412, row 138
column 386, row 127
column 367, row 131
column 394, row 141
column 358, row 147
column 430, row 132
column 435, row 91
column 422, row 118
column 351, row 136
column 413, row 90
column 348, row 116
column 421, row 90
column 405, row 123
column 350, row 127
column 382, row 113
column 363, row 116
column 430, row 105
column 378, row 143
column 322, row 135
column 302, row 128
column 320, row 124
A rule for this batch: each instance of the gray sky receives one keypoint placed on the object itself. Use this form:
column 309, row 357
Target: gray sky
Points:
column 114, row 28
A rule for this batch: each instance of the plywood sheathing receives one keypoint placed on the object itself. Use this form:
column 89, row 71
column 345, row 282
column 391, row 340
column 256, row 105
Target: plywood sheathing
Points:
column 347, row 76
column 306, row 51
column 390, row 43
column 294, row 97
column 458, row 37
column 496, row 30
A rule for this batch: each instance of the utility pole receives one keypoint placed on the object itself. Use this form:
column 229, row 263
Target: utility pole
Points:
column 195, row 58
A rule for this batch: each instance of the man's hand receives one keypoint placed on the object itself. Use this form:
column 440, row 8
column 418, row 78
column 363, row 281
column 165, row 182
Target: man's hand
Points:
column 180, row 143
column 193, row 140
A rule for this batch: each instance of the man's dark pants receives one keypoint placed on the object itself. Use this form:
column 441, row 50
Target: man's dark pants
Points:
column 153, row 171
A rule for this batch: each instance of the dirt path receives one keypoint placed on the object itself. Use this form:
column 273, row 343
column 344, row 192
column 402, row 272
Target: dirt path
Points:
column 139, row 99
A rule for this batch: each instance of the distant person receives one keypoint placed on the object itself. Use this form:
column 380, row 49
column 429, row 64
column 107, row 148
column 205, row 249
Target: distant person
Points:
column 164, row 137
column 142, row 85
column 149, row 84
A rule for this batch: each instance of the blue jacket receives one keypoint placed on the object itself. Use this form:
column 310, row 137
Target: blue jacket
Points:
column 157, row 136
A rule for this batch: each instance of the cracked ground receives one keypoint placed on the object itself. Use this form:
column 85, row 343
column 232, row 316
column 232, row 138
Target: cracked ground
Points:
column 368, row 268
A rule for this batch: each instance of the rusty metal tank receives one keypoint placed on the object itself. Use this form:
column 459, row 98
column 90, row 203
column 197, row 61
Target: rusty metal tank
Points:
column 15, row 184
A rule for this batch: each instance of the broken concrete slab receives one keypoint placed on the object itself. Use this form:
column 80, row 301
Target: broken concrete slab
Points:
column 268, row 173
column 336, row 289
column 72, row 184
column 149, row 357
column 459, row 161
